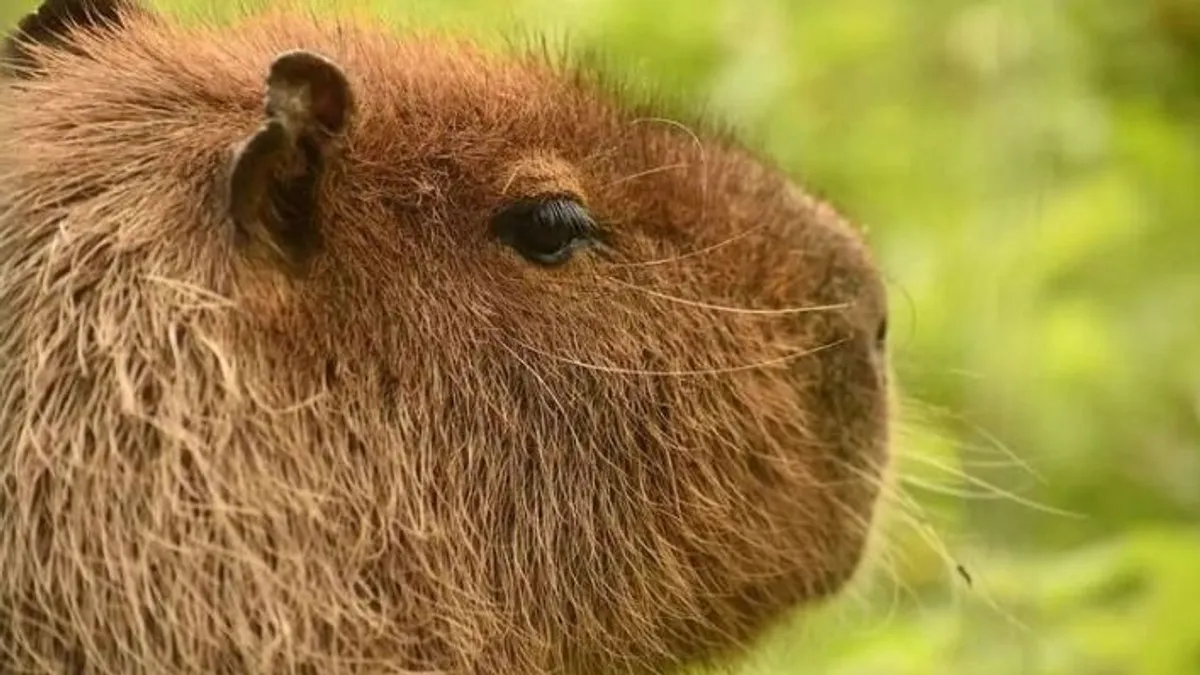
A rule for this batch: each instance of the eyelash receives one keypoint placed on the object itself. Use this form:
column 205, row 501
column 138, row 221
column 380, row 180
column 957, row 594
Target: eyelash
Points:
column 546, row 230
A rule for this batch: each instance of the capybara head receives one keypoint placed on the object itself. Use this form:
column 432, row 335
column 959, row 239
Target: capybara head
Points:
column 327, row 349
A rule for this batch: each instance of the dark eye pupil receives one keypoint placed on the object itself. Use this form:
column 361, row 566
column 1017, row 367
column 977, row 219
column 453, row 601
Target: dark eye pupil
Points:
column 546, row 230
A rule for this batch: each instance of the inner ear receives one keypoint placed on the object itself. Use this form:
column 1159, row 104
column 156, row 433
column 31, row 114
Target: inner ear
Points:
column 311, row 89
column 274, row 183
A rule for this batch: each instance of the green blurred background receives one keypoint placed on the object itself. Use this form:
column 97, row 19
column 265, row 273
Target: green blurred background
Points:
column 1030, row 174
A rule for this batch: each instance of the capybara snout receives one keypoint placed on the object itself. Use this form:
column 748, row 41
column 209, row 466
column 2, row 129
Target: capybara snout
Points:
column 325, row 348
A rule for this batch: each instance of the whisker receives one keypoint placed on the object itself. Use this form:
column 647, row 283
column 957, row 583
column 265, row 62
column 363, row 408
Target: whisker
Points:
column 726, row 308
column 890, row 557
column 980, row 591
column 968, row 454
column 980, row 483
column 985, row 463
column 959, row 493
column 910, row 511
column 963, row 451
column 692, row 254
column 887, row 552
column 994, row 442
column 684, row 373
column 700, row 149
column 648, row 172
column 678, row 125
column 695, row 141
column 912, row 516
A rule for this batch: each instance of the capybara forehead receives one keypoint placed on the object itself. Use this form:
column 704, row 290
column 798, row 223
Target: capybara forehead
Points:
column 429, row 109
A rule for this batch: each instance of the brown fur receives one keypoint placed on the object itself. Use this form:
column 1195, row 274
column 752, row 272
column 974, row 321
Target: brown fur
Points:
column 423, row 453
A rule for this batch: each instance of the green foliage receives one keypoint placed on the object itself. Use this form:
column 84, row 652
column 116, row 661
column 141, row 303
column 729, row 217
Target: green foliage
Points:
column 1030, row 173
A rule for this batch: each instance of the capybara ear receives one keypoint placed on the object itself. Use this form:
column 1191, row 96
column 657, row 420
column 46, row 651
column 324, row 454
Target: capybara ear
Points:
column 274, row 181
column 52, row 23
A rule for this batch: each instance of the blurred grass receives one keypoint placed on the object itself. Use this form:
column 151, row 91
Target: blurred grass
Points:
column 1030, row 173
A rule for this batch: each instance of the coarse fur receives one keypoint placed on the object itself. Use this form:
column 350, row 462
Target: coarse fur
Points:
column 399, row 446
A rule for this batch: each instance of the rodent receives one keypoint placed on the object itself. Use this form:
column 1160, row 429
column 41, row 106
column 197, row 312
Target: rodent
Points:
column 331, row 349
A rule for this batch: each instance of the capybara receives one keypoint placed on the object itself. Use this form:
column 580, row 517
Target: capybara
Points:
column 327, row 348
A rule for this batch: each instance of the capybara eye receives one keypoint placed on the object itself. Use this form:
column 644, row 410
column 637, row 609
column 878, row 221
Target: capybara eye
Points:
column 545, row 230
column 881, row 333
